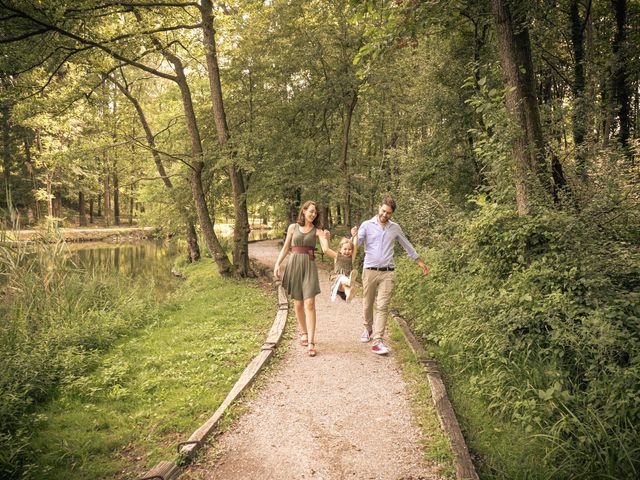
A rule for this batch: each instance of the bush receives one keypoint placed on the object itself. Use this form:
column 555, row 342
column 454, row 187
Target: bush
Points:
column 540, row 318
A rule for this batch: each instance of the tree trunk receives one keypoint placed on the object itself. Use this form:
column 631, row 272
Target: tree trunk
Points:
column 5, row 111
column 326, row 216
column 82, row 220
column 192, row 243
column 131, row 207
column 532, row 179
column 107, row 199
column 116, row 200
column 619, row 78
column 49, row 196
column 192, row 238
column 294, row 199
column 579, row 101
column 91, row 210
column 349, row 108
column 195, row 172
column 238, row 187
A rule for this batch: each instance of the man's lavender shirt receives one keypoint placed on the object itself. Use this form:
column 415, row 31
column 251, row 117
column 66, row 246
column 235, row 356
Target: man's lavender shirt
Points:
column 379, row 242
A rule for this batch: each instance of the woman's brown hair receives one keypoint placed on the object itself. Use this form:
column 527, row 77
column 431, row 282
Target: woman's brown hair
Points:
column 316, row 221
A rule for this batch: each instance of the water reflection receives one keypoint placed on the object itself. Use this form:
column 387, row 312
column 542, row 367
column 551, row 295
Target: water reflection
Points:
column 260, row 235
column 146, row 258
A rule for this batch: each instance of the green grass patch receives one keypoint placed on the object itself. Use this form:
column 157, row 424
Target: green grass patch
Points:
column 437, row 448
column 155, row 388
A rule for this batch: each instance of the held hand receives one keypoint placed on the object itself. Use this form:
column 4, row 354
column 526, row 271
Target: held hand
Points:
column 354, row 231
column 327, row 235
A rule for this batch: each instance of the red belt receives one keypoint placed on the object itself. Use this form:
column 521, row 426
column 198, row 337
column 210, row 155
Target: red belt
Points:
column 311, row 251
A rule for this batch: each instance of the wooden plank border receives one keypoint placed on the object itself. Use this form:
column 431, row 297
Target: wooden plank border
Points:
column 187, row 449
column 446, row 415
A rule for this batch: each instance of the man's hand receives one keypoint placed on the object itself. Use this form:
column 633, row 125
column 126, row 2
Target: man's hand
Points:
column 354, row 231
column 423, row 266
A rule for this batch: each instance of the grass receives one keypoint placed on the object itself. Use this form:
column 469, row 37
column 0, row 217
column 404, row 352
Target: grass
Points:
column 155, row 388
column 436, row 445
column 207, row 458
column 501, row 449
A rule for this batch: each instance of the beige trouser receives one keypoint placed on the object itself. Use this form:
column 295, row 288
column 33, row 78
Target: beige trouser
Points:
column 377, row 287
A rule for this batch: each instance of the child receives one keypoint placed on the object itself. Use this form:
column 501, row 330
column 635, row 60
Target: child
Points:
column 343, row 277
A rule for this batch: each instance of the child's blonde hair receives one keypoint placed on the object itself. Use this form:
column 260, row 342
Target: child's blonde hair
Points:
column 344, row 241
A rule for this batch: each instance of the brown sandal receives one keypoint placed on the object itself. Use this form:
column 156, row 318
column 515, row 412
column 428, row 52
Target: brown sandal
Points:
column 312, row 350
column 304, row 339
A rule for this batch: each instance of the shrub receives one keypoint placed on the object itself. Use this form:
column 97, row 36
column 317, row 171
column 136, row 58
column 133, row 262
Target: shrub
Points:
column 539, row 316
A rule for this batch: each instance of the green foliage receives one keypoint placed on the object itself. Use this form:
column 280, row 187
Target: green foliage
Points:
column 56, row 319
column 155, row 386
column 538, row 317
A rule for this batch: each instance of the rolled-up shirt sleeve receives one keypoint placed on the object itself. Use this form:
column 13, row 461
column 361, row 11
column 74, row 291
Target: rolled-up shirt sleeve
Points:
column 361, row 233
column 406, row 244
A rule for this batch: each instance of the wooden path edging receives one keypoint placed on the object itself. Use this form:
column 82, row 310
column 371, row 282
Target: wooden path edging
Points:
column 447, row 417
column 187, row 449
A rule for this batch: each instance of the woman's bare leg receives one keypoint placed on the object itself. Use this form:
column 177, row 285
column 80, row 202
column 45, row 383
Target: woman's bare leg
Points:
column 310, row 315
column 298, row 306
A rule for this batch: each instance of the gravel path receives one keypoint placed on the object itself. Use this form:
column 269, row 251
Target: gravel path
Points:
column 344, row 414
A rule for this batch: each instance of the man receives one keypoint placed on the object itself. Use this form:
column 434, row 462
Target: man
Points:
column 379, row 235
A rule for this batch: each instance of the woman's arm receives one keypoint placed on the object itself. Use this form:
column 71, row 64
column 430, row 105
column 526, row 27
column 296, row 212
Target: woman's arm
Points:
column 324, row 236
column 285, row 250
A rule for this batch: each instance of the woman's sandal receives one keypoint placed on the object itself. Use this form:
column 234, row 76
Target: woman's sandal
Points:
column 304, row 339
column 312, row 350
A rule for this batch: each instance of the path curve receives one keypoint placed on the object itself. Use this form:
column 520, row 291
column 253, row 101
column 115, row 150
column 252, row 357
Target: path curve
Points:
column 344, row 414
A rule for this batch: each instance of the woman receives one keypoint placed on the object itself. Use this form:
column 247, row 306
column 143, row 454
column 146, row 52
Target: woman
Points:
column 300, row 279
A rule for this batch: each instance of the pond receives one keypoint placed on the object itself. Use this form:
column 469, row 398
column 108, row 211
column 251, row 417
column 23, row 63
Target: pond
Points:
column 141, row 258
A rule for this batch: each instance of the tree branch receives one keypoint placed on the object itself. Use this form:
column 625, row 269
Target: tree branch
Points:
column 149, row 32
column 555, row 69
column 24, row 35
column 131, row 5
column 91, row 43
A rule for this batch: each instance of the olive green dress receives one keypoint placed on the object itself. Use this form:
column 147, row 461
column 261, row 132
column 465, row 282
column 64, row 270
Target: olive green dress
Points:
column 342, row 266
column 300, row 279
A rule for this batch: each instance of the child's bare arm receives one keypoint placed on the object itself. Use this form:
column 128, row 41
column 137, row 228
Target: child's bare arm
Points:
column 324, row 243
column 354, row 241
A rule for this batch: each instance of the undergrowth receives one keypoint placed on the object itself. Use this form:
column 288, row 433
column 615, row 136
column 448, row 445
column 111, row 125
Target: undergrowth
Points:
column 537, row 321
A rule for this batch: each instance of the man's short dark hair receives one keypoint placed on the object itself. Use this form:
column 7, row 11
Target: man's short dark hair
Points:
column 389, row 202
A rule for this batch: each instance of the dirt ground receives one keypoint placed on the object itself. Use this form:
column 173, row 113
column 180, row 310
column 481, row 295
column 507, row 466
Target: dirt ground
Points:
column 344, row 414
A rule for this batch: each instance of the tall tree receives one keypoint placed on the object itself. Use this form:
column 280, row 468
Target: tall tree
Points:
column 579, row 118
column 191, row 235
column 620, row 73
column 238, row 187
column 532, row 179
